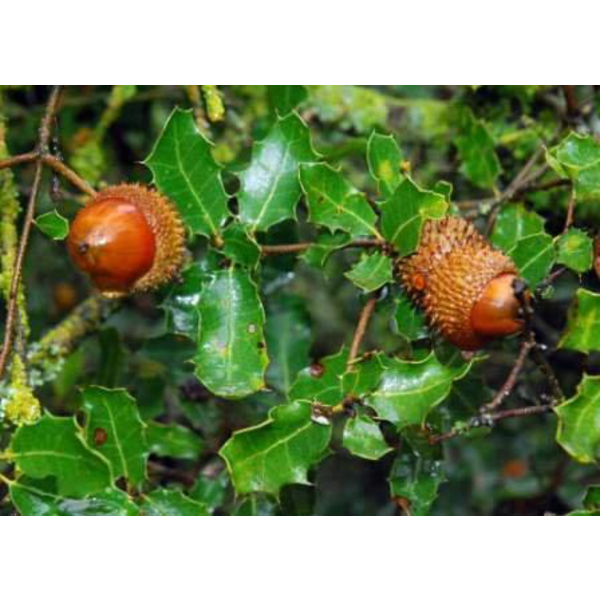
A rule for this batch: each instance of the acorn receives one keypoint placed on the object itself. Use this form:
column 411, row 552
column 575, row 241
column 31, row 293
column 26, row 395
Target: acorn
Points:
column 128, row 238
column 463, row 284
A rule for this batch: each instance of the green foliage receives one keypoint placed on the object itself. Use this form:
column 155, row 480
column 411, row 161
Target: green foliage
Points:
column 231, row 359
column 186, row 172
column 583, row 328
column 277, row 452
column 269, row 187
column 300, row 203
column 578, row 422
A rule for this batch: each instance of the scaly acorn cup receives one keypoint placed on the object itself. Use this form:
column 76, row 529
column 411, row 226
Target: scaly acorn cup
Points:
column 463, row 284
column 128, row 239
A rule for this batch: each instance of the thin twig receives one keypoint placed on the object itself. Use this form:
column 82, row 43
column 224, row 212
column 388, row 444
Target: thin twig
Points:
column 511, row 380
column 70, row 175
column 21, row 159
column 522, row 295
column 361, row 328
column 570, row 211
column 302, row 246
column 54, row 163
column 42, row 148
column 489, row 420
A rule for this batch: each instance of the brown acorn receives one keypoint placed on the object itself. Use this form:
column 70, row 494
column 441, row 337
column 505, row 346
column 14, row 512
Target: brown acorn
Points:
column 128, row 238
column 463, row 284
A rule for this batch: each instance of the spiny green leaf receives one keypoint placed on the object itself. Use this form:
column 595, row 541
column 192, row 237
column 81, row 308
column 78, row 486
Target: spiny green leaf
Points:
column 583, row 327
column 476, row 149
column 186, row 172
column 320, row 250
column 284, row 98
column 334, row 203
column 181, row 305
column 278, row 452
column 231, row 359
column 409, row 320
column 54, row 447
column 416, row 480
column 363, row 438
column 371, row 272
column 578, row 158
column 114, row 428
column 409, row 390
column 579, row 421
column 321, row 382
column 384, row 158
column 575, row 250
column 270, row 188
column 534, row 256
column 403, row 215
column 513, row 223
column 239, row 246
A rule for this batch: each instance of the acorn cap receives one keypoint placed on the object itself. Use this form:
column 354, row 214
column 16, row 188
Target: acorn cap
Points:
column 105, row 236
column 449, row 272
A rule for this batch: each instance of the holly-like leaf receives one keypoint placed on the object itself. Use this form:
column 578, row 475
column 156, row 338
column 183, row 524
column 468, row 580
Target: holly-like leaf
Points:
column 362, row 376
column 278, row 452
column 231, row 358
column 579, row 421
column 211, row 491
column 39, row 499
column 181, row 305
column 54, row 447
column 172, row 503
column 186, row 172
column 515, row 222
column 239, row 246
column 583, row 327
column 415, row 481
column 269, row 187
column 283, row 99
column 363, row 438
column 320, row 250
column 384, row 158
column 534, row 256
column 409, row 320
column 113, row 428
column 409, row 390
column 322, row 382
column 53, row 224
column 288, row 341
column 372, row 271
column 578, row 158
column 575, row 250
column 476, row 149
column 403, row 214
column 334, row 203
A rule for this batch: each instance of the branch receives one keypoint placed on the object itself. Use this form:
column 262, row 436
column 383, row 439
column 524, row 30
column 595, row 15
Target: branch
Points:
column 522, row 294
column 303, row 246
column 42, row 148
column 490, row 420
column 510, row 382
column 54, row 163
column 57, row 165
column 361, row 328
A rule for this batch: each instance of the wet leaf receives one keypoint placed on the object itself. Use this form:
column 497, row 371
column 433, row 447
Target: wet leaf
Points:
column 363, row 438
column 384, row 158
column 583, row 327
column 575, row 250
column 534, row 256
column 53, row 224
column 165, row 502
column 515, row 222
column 372, row 271
column 173, row 441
